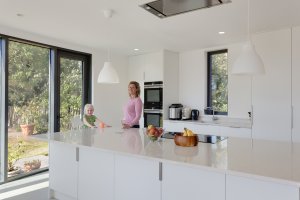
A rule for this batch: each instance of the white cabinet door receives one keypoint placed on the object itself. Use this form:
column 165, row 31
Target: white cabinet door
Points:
column 182, row 182
column 63, row 169
column 153, row 66
column 296, row 84
column 136, row 179
column 272, row 90
column 135, row 69
column 238, row 188
column 147, row 67
column 95, row 175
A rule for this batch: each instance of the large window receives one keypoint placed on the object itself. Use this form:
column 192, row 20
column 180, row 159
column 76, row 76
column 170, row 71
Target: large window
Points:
column 42, row 87
column 217, row 82
column 28, row 105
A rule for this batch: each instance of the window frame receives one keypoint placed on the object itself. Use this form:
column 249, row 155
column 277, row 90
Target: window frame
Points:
column 53, row 69
column 209, row 80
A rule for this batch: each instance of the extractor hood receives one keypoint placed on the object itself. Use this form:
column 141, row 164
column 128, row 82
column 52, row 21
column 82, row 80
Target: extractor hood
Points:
column 167, row 8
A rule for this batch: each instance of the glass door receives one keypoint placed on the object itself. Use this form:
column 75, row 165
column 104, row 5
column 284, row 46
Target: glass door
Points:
column 73, row 68
column 28, row 107
column 2, row 121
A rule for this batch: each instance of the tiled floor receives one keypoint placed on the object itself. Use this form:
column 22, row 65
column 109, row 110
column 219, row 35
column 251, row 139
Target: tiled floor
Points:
column 30, row 188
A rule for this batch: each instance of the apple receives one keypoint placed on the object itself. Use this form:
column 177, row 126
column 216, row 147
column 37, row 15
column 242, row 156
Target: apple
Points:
column 151, row 131
column 156, row 133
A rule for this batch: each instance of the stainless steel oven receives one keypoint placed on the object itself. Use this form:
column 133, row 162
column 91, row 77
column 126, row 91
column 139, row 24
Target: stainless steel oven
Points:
column 153, row 95
column 153, row 117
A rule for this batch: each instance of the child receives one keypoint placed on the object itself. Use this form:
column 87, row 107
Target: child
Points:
column 89, row 120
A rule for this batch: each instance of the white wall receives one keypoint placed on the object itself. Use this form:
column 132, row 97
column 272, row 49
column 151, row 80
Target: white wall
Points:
column 193, row 81
column 107, row 99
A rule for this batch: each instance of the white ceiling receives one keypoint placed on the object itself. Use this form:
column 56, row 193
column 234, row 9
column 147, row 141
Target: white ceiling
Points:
column 82, row 22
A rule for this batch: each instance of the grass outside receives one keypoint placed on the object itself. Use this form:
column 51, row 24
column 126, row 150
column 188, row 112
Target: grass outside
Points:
column 23, row 148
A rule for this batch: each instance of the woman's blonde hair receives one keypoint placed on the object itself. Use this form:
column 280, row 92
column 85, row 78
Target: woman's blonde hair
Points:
column 87, row 106
column 137, row 86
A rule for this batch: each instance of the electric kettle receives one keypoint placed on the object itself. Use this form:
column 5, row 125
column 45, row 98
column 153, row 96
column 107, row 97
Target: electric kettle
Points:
column 186, row 113
column 195, row 114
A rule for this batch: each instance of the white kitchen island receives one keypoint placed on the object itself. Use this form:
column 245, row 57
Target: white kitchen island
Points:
column 117, row 164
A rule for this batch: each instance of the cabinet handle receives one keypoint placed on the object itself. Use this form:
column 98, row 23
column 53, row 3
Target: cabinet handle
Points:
column 77, row 154
column 252, row 115
column 292, row 117
column 160, row 171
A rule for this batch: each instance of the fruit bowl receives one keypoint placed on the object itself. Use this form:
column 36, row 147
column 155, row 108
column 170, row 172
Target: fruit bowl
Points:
column 186, row 141
column 153, row 133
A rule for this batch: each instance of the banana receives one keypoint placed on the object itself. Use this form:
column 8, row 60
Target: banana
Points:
column 185, row 132
column 188, row 132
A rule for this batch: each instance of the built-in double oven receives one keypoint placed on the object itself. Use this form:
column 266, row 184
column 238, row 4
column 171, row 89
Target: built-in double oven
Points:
column 153, row 103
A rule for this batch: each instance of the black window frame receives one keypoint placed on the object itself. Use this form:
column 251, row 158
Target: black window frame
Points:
column 54, row 78
column 209, row 81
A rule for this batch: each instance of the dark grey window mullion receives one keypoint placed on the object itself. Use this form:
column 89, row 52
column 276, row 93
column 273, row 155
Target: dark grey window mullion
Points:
column 54, row 99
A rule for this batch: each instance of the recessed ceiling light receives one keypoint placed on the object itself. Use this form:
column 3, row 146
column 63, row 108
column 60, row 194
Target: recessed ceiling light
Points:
column 221, row 33
column 148, row 8
column 20, row 15
column 136, row 49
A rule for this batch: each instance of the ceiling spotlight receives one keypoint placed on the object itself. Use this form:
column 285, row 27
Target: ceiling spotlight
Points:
column 221, row 33
column 107, row 13
column 148, row 7
column 136, row 49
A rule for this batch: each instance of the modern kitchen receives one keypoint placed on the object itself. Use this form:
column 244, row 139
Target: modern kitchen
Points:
column 247, row 148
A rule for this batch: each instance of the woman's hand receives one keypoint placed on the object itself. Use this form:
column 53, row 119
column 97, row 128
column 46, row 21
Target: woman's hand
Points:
column 126, row 126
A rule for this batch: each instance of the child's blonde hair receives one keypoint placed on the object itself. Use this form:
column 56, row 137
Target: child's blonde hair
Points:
column 87, row 106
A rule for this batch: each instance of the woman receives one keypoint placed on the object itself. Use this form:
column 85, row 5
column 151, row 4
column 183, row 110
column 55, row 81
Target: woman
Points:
column 133, row 109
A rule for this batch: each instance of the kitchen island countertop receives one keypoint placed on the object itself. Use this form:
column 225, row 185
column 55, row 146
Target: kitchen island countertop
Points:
column 265, row 160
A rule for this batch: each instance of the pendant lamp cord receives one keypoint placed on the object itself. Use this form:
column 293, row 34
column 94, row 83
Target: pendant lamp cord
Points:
column 108, row 54
column 248, row 10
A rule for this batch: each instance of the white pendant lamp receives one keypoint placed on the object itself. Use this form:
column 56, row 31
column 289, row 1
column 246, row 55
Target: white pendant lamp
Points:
column 248, row 62
column 108, row 74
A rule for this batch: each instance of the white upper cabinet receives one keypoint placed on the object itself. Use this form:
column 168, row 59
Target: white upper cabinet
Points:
column 296, row 84
column 271, row 98
column 146, row 67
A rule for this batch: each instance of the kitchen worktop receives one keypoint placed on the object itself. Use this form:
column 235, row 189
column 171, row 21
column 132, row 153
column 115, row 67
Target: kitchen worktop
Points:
column 221, row 121
column 266, row 160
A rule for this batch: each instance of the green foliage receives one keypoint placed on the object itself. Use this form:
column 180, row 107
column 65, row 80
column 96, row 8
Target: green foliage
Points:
column 71, row 90
column 28, row 90
column 15, row 150
column 219, row 82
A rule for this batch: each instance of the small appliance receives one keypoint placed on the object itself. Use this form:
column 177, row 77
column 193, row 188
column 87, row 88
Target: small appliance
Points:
column 195, row 114
column 175, row 111
column 186, row 113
